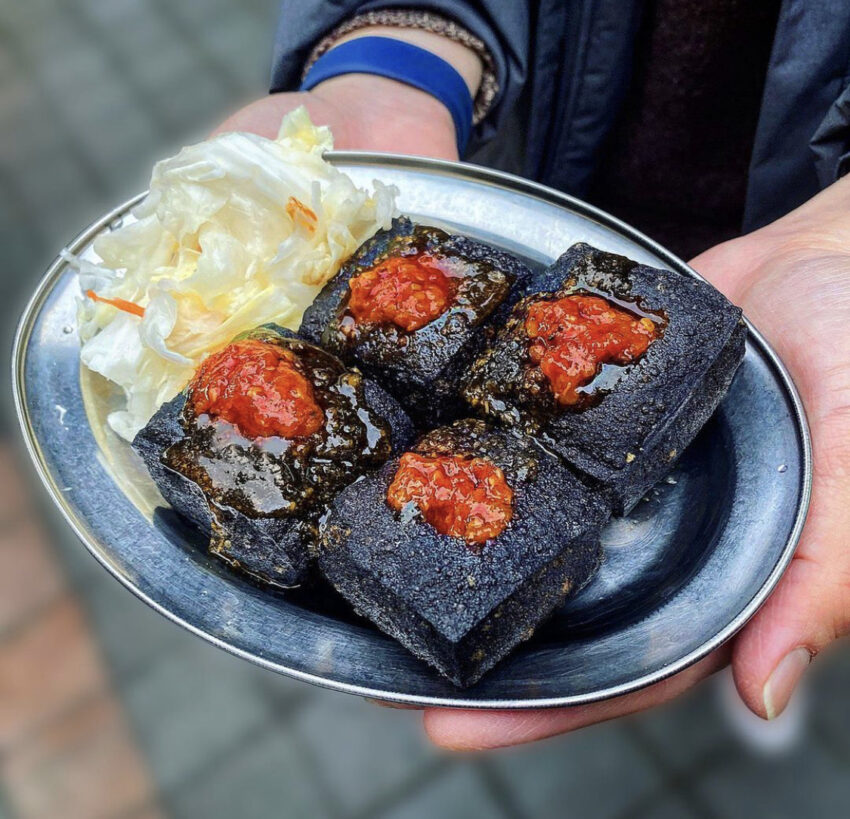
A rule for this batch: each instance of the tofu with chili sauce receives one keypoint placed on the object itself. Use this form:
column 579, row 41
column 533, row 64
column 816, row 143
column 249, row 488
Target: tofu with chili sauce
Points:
column 411, row 308
column 615, row 366
column 461, row 546
column 268, row 431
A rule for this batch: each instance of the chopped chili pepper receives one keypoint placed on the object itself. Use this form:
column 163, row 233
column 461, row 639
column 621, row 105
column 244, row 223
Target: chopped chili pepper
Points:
column 256, row 387
column 572, row 337
column 462, row 497
column 407, row 291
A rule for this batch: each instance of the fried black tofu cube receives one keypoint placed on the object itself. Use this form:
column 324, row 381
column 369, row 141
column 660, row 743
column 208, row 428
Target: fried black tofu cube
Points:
column 411, row 308
column 258, row 498
column 463, row 606
column 624, row 422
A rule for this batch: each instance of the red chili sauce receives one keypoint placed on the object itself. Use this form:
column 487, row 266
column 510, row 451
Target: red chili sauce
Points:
column 572, row 337
column 256, row 387
column 461, row 497
column 408, row 291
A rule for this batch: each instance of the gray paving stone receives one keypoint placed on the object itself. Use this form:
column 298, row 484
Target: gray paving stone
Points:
column 102, row 93
column 27, row 125
column 263, row 779
column 131, row 634
column 196, row 103
column 362, row 750
column 27, row 136
column 201, row 13
column 265, row 11
column 829, row 683
column 806, row 782
column 184, row 94
column 123, row 145
column 10, row 66
column 82, row 74
column 16, row 101
column 57, row 173
column 25, row 20
column 191, row 708
column 165, row 72
column 143, row 36
column 596, row 772
column 283, row 693
column 46, row 41
column 114, row 14
column 669, row 806
column 22, row 240
column 236, row 42
column 160, row 76
column 686, row 730
column 47, row 189
column 457, row 793
column 19, row 256
column 117, row 134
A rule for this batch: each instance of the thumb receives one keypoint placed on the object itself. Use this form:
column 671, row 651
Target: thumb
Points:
column 809, row 609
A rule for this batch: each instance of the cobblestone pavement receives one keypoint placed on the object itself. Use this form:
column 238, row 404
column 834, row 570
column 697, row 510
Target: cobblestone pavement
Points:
column 108, row 710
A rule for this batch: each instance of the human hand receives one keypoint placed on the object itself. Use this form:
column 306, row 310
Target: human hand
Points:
column 792, row 279
column 364, row 112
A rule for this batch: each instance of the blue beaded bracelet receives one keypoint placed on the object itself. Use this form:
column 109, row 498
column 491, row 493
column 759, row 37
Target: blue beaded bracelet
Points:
column 406, row 63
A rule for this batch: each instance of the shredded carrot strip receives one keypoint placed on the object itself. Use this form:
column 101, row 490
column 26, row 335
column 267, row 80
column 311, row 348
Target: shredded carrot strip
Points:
column 121, row 304
column 296, row 209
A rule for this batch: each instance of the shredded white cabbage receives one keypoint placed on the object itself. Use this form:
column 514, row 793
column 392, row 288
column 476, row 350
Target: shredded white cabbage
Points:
column 235, row 232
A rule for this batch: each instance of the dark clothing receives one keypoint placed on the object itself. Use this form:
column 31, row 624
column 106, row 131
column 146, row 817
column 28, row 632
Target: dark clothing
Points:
column 569, row 64
column 676, row 162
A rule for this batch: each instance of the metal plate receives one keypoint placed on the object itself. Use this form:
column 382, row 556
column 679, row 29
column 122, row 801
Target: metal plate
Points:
column 682, row 573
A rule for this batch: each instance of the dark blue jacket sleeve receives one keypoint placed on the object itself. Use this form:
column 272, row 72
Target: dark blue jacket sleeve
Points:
column 503, row 26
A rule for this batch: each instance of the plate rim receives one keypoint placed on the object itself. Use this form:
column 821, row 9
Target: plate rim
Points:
column 469, row 172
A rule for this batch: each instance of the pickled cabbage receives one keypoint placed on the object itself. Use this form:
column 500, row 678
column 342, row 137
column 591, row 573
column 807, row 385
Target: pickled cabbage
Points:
column 235, row 232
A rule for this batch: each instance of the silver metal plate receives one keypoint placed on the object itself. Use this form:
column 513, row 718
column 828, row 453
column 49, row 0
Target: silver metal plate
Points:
column 682, row 573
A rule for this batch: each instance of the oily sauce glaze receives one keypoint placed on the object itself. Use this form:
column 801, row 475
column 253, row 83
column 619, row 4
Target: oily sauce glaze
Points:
column 561, row 352
column 276, row 475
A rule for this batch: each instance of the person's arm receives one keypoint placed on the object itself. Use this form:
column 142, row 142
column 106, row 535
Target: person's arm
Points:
column 364, row 112
column 498, row 29
column 792, row 279
column 485, row 42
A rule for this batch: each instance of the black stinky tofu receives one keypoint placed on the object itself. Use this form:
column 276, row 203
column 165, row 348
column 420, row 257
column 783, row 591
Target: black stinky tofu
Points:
column 459, row 605
column 255, row 474
column 668, row 348
column 411, row 308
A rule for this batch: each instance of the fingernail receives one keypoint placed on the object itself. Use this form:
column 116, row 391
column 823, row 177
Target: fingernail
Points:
column 781, row 683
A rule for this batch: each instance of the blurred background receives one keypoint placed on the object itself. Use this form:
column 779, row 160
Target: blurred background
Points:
column 108, row 710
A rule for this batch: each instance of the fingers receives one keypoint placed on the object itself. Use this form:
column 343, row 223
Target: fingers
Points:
column 467, row 730
column 809, row 609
